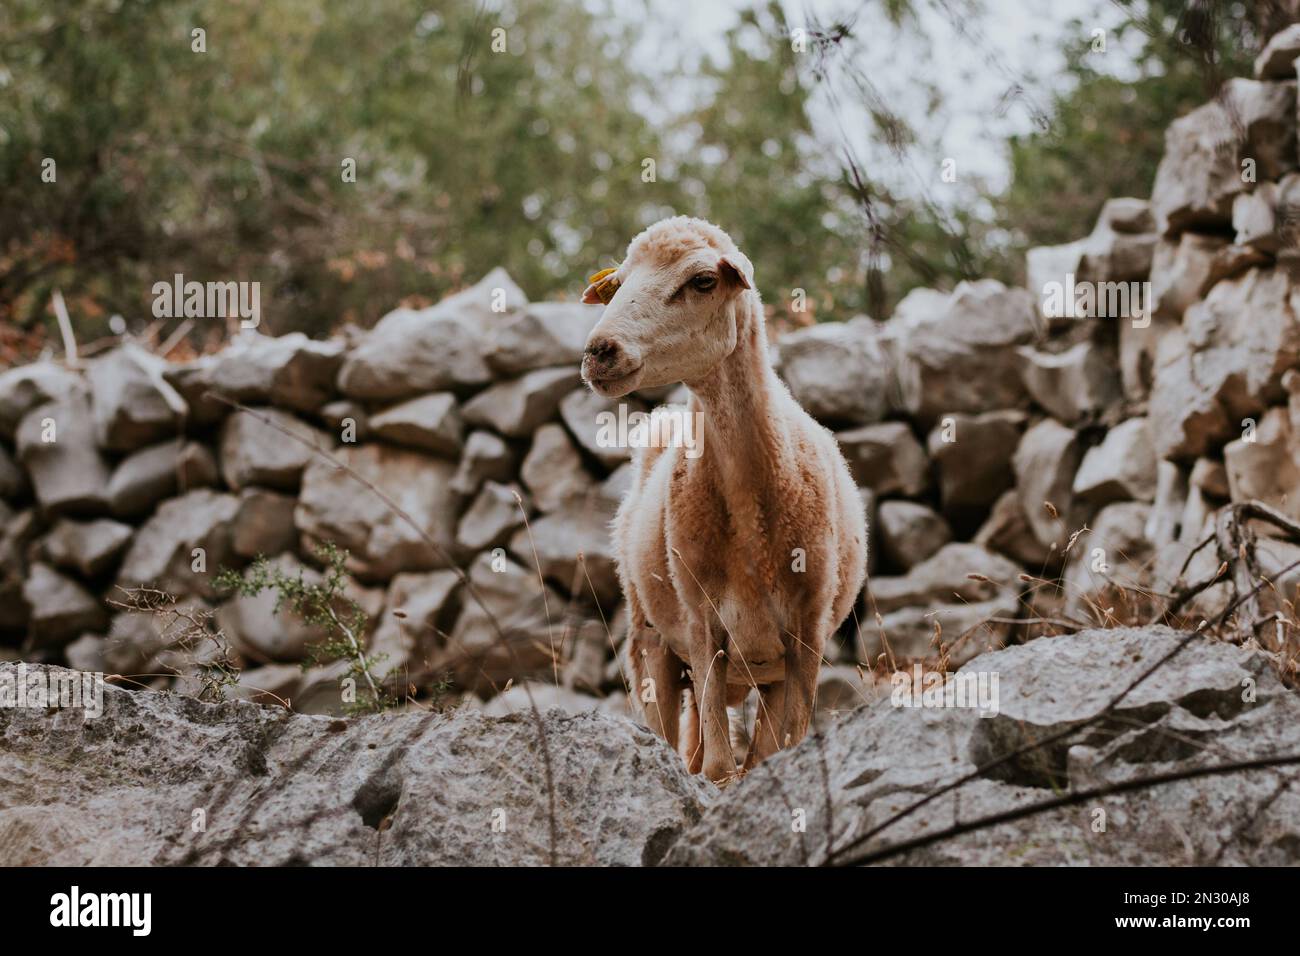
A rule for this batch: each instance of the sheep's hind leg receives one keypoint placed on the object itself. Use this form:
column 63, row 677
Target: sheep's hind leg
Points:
column 803, row 659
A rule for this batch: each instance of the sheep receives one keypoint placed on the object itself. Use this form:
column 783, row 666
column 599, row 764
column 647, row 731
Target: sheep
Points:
column 737, row 561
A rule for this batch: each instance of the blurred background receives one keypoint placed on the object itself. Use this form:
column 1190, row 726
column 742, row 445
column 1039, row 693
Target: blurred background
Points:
column 853, row 149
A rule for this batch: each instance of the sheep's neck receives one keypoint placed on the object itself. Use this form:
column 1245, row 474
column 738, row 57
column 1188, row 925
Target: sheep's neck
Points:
column 736, row 402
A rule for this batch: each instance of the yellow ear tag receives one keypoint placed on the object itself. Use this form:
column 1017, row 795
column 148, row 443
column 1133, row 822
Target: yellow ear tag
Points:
column 606, row 289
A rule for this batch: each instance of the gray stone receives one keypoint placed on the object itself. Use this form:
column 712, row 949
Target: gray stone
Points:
column 408, row 353
column 263, row 525
column 952, row 352
column 542, row 334
column 333, row 506
column 881, row 758
column 958, row 571
column 1008, row 532
column 837, row 371
column 552, row 470
column 288, row 371
column 147, row 476
column 1080, row 382
column 88, row 547
column 1200, row 173
column 592, row 420
column 972, row 455
column 495, row 513
column 485, row 457
column 322, row 790
column 1109, row 564
column 255, row 449
column 13, row 483
column 431, row 423
column 909, row 533
column 517, row 407
column 1045, row 464
column 573, row 548
column 86, row 653
column 545, row 697
column 68, row 473
column 182, row 546
column 1120, row 246
column 955, row 632
column 886, row 458
column 1181, row 272
column 61, row 609
column 417, row 610
column 28, row 386
column 1121, row 468
column 133, row 405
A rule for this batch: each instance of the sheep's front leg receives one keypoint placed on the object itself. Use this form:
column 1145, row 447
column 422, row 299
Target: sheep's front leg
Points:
column 709, row 675
column 657, row 681
column 803, row 660
column 767, row 724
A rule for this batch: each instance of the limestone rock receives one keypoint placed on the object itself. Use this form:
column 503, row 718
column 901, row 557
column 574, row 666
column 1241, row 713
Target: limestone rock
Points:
column 592, row 419
column 263, row 525
column 61, row 609
column 837, row 371
column 289, row 371
column 573, row 549
column 1080, row 382
column 417, row 608
column 1045, row 463
column 489, row 521
column 182, row 546
column 1121, row 468
column 485, row 457
column 886, row 458
column 431, row 423
column 411, row 352
column 542, row 334
column 255, row 449
column 553, row 471
column 333, row 506
column 972, row 454
column 132, row 403
column 88, row 547
column 146, row 477
column 1277, row 60
column 909, row 532
column 516, row 408
column 68, row 473
column 28, row 386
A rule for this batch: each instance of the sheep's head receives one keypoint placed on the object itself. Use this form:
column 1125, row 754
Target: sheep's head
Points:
column 670, row 312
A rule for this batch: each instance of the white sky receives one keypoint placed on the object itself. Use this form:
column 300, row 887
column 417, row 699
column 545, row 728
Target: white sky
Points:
column 1013, row 40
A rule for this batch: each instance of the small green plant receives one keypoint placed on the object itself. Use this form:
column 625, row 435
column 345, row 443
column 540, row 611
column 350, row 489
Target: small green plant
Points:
column 322, row 604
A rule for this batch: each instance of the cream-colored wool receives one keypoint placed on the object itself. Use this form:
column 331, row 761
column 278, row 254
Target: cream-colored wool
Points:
column 740, row 562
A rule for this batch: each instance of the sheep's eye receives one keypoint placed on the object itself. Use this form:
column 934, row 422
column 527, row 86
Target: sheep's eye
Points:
column 704, row 282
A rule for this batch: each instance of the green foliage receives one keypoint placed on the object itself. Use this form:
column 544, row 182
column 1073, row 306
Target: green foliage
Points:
column 325, row 605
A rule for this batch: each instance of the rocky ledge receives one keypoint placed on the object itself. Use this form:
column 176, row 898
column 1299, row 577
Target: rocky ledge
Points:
column 159, row 778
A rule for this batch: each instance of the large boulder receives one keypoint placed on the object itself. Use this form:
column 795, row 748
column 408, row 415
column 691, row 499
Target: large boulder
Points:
column 56, row 444
column 953, row 352
column 1201, row 171
column 61, row 609
column 258, row 448
column 1045, row 463
column 886, row 457
column 552, row 470
column 489, row 521
column 182, row 546
column 517, row 407
column 279, row 788
column 1190, row 713
column 485, row 457
column 289, row 371
column 542, row 334
column 133, row 405
column 837, row 371
column 333, row 506
column 909, row 532
column 572, row 548
column 1121, row 468
column 1078, row 383
column 1227, row 364
column 972, row 454
column 89, row 548
column 146, row 477
column 431, row 423
column 1120, row 246
column 27, row 386
column 410, row 352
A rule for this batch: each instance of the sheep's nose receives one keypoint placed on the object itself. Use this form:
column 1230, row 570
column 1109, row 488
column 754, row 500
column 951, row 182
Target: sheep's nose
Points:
column 604, row 351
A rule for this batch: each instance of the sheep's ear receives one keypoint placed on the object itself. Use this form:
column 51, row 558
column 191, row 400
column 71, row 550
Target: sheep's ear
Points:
column 737, row 269
column 601, row 287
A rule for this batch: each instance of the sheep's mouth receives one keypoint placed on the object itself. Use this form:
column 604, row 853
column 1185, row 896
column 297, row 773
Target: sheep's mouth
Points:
column 616, row 386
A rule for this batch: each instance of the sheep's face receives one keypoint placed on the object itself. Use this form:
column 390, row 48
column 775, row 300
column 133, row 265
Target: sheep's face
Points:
column 670, row 309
